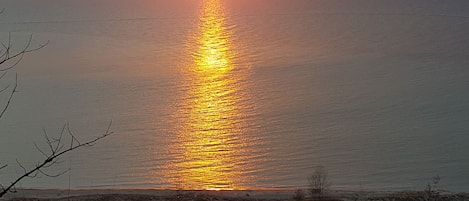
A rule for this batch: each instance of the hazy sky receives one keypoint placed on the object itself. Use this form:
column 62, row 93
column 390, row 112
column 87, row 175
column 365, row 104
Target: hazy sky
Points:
column 31, row 10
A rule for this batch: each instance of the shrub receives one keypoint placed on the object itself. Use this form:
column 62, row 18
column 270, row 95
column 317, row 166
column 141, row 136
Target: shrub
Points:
column 299, row 195
column 318, row 182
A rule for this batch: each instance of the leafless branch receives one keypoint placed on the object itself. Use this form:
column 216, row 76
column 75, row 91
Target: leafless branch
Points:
column 10, row 56
column 319, row 182
column 72, row 136
column 3, row 74
column 7, row 55
column 10, row 97
column 4, row 89
column 40, row 150
column 53, row 175
column 51, row 158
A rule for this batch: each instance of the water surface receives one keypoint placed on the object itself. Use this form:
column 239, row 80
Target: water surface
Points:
column 243, row 94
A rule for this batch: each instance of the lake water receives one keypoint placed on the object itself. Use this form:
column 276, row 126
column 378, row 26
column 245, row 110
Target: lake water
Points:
column 242, row 94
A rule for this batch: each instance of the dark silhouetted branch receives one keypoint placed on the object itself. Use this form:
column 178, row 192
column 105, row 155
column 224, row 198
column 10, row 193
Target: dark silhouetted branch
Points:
column 10, row 56
column 9, row 97
column 8, row 60
column 56, row 150
column 6, row 54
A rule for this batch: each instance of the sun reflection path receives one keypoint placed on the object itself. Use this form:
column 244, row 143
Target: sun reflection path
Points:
column 210, row 144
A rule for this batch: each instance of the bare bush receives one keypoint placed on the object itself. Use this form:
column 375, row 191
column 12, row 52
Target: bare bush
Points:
column 57, row 147
column 431, row 191
column 318, row 182
column 299, row 195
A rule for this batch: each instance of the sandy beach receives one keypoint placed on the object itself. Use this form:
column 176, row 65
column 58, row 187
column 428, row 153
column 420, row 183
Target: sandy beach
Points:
column 236, row 195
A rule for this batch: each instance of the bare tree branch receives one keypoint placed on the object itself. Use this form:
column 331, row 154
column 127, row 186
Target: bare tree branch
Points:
column 3, row 75
column 10, row 97
column 53, row 175
column 55, row 153
column 10, row 56
column 7, row 56
column 319, row 182
column 40, row 150
column 72, row 135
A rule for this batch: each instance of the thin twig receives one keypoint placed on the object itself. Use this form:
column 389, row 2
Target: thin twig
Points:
column 10, row 97
column 4, row 88
column 3, row 75
column 40, row 150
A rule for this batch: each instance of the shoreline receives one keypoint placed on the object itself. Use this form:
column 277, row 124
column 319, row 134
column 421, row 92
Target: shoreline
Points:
column 228, row 195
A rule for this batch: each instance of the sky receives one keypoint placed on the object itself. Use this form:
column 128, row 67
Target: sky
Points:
column 50, row 10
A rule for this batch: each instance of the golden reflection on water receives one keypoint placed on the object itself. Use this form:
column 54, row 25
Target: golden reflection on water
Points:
column 209, row 146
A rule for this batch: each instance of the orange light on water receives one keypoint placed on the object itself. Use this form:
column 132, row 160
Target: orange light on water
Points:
column 219, row 189
column 209, row 144
column 214, row 56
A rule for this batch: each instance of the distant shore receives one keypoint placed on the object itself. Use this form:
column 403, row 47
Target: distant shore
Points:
column 236, row 195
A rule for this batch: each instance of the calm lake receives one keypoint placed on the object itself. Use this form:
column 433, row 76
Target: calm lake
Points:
column 241, row 94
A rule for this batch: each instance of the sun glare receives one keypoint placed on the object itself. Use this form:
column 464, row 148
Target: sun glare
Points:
column 210, row 115
column 213, row 55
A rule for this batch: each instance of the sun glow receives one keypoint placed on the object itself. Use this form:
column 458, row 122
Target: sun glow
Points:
column 209, row 144
column 214, row 55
